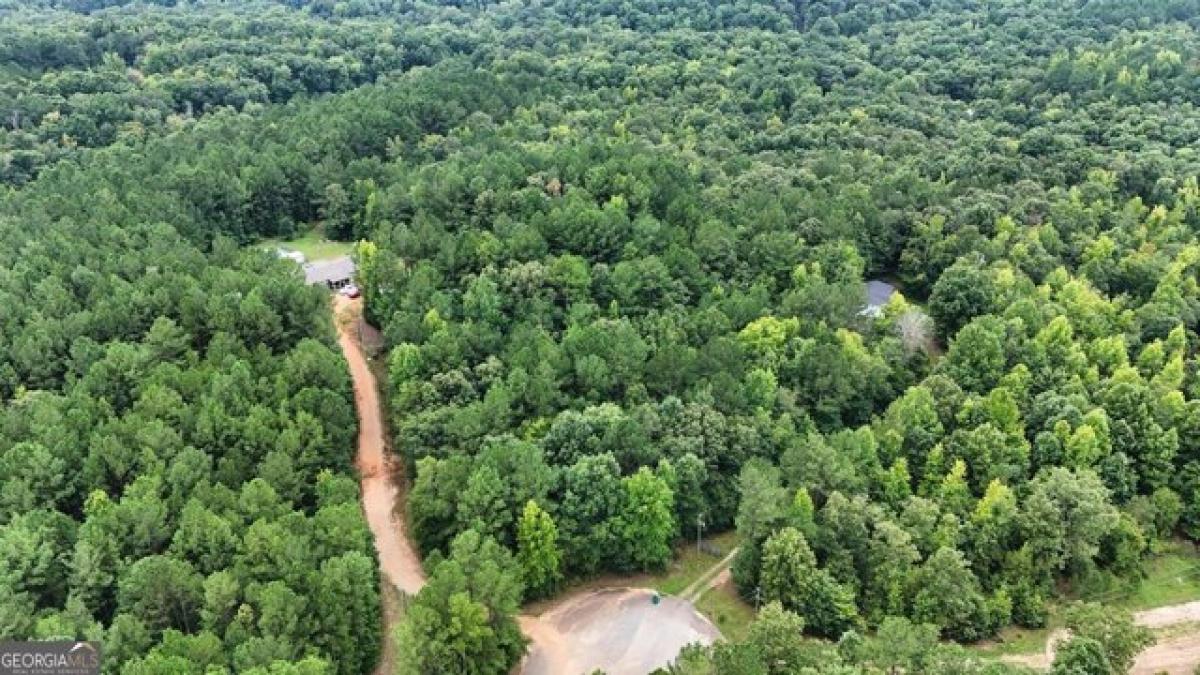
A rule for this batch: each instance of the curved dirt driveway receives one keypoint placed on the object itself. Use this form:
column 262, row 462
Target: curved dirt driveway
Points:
column 1174, row 656
column 398, row 560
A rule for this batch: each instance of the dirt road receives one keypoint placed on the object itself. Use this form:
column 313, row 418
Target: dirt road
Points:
column 1169, row 615
column 398, row 560
column 1175, row 655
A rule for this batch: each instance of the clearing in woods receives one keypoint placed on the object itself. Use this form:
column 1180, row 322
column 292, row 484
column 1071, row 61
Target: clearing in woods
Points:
column 1165, row 601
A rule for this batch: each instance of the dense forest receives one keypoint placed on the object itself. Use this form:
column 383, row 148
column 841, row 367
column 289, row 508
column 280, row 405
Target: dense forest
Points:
column 618, row 253
column 174, row 447
column 71, row 80
column 176, row 480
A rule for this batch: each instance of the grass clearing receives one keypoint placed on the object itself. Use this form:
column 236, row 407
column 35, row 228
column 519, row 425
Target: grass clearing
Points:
column 687, row 566
column 728, row 612
column 313, row 245
column 1016, row 640
column 1172, row 577
column 690, row 564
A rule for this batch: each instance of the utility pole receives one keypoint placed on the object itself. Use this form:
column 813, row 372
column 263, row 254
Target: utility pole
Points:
column 699, row 529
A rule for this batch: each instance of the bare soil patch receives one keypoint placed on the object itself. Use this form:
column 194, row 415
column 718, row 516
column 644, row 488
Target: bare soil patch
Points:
column 619, row 630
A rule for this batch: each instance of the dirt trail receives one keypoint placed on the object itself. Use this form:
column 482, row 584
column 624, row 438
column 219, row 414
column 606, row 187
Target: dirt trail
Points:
column 712, row 577
column 398, row 560
column 1168, row 615
column 1176, row 655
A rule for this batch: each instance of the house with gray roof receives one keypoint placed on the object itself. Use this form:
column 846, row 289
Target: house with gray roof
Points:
column 878, row 294
column 334, row 273
column 295, row 256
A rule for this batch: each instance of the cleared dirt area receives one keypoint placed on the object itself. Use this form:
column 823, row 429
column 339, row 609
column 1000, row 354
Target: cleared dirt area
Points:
column 621, row 631
column 1169, row 615
column 1175, row 656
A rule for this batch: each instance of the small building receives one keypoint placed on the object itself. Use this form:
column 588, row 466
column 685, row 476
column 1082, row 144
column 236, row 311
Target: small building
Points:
column 878, row 294
column 334, row 273
column 295, row 256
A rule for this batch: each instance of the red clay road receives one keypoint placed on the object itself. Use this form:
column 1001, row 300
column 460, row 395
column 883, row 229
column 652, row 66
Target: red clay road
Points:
column 398, row 559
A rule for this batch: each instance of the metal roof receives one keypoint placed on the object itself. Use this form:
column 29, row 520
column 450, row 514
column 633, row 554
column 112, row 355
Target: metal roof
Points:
column 297, row 256
column 878, row 293
column 326, row 271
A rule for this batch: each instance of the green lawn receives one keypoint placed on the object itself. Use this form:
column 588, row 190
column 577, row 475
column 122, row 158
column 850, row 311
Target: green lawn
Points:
column 721, row 605
column 689, row 565
column 313, row 245
column 1172, row 577
column 1016, row 640
column 728, row 612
